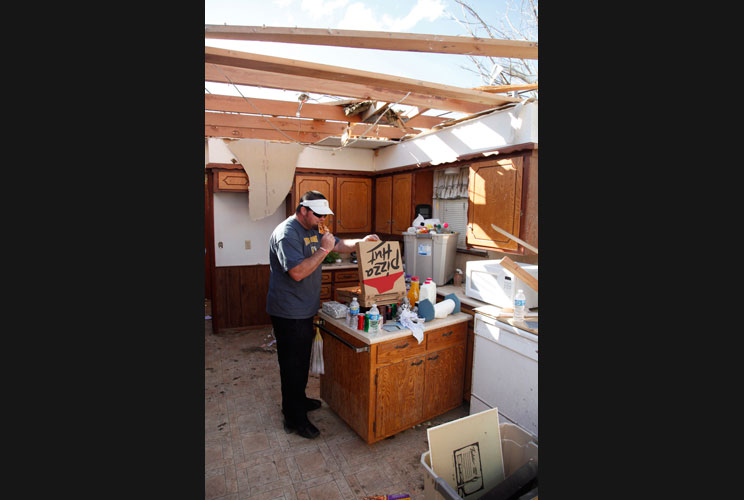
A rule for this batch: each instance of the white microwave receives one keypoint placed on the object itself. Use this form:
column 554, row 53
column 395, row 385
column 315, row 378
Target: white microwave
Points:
column 488, row 281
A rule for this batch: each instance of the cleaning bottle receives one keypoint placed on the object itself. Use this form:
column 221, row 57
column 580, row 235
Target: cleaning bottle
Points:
column 519, row 303
column 374, row 319
column 413, row 292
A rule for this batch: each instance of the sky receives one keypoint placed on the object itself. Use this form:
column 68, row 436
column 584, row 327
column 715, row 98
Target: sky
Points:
column 409, row 16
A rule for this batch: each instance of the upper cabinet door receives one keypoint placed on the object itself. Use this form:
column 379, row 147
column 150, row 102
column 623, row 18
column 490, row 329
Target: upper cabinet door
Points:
column 495, row 197
column 324, row 184
column 401, row 208
column 354, row 205
column 383, row 200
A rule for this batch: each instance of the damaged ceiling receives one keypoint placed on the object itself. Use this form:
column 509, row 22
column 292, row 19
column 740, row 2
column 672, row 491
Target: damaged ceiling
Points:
column 368, row 110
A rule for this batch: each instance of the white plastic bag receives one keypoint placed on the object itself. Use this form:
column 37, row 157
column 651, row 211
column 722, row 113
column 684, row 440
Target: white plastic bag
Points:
column 316, row 356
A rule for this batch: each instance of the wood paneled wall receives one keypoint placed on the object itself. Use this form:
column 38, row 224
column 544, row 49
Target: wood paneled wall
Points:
column 239, row 297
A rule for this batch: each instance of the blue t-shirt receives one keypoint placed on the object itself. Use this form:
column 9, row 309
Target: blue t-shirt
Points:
column 289, row 245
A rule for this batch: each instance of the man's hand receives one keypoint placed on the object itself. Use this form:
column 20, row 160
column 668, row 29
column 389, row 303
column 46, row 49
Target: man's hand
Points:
column 328, row 241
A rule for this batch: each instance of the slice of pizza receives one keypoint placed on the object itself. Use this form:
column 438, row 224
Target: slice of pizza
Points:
column 322, row 228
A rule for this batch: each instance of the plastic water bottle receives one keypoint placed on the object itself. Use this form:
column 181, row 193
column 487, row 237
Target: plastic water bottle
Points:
column 353, row 311
column 519, row 303
column 374, row 319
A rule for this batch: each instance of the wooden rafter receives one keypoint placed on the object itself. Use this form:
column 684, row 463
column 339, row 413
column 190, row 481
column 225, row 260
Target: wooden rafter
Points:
column 214, row 102
column 240, row 76
column 253, row 105
column 382, row 40
column 303, row 69
column 267, row 135
column 506, row 88
column 297, row 125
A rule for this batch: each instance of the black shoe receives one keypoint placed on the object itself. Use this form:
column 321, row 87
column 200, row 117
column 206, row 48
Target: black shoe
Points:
column 312, row 404
column 305, row 429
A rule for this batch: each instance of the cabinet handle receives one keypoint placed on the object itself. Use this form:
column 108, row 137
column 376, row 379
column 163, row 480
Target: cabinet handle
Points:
column 448, row 333
column 435, row 357
column 402, row 346
column 354, row 348
column 416, row 363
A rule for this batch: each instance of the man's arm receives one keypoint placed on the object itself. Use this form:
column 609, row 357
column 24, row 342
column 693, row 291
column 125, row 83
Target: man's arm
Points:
column 310, row 264
column 349, row 245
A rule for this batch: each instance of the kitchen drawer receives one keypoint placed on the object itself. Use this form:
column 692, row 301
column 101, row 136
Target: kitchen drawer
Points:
column 232, row 180
column 347, row 275
column 398, row 349
column 325, row 292
column 326, row 277
column 446, row 336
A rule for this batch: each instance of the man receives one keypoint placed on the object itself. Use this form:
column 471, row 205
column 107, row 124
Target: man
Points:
column 296, row 253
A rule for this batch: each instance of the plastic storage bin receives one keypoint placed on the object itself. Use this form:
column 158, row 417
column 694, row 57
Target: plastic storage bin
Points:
column 518, row 447
column 430, row 255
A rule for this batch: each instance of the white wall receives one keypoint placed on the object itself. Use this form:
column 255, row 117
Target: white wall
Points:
column 511, row 126
column 344, row 159
column 232, row 227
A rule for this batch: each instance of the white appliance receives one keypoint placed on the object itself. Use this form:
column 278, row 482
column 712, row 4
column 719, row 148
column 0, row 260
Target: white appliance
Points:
column 489, row 282
column 504, row 370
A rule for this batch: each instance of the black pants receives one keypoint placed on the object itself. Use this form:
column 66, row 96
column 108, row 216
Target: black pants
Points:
column 294, row 341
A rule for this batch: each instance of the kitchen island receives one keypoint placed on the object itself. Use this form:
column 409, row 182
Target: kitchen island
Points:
column 381, row 384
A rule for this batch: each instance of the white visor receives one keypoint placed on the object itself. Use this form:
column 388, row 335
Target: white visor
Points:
column 318, row 206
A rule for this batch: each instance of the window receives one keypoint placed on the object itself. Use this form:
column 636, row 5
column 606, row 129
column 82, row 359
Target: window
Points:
column 451, row 200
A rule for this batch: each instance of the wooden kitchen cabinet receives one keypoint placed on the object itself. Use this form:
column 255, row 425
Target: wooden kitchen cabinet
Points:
column 344, row 278
column 383, row 388
column 350, row 199
column 393, row 203
column 232, row 180
column 402, row 195
column 469, row 341
column 323, row 183
column 326, row 286
column 383, row 204
column 495, row 197
column 353, row 205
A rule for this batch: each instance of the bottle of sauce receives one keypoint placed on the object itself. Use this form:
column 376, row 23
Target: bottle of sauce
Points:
column 413, row 292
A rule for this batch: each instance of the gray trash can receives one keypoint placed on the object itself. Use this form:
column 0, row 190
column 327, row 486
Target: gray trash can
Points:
column 430, row 255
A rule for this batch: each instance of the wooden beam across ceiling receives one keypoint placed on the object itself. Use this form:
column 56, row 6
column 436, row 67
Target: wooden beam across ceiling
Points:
column 254, row 78
column 382, row 40
column 297, row 125
column 267, row 135
column 293, row 67
column 272, row 107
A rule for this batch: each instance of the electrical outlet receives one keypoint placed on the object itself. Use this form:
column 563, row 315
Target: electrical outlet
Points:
column 247, row 244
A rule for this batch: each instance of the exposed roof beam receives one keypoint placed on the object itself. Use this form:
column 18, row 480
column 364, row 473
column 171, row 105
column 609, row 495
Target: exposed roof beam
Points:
column 382, row 40
column 326, row 111
column 240, row 76
column 506, row 88
column 215, row 102
column 296, row 125
column 268, row 135
column 293, row 67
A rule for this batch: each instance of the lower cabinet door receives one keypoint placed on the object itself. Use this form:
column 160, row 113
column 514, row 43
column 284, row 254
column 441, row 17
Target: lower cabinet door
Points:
column 400, row 395
column 444, row 380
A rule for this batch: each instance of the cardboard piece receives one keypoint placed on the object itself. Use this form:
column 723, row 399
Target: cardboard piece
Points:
column 381, row 276
column 467, row 453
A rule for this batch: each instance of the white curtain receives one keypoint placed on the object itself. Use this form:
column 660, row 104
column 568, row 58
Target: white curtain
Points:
column 449, row 187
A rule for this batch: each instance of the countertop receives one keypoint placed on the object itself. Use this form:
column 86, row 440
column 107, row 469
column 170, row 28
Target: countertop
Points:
column 383, row 335
column 459, row 291
column 335, row 266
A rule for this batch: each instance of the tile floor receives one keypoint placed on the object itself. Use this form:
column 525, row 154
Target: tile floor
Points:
column 249, row 456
